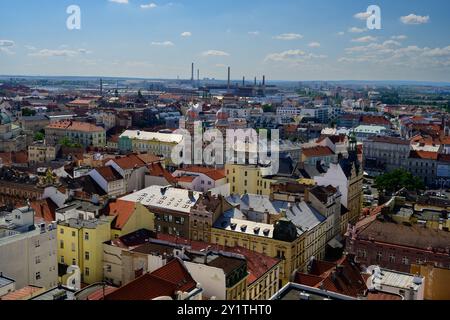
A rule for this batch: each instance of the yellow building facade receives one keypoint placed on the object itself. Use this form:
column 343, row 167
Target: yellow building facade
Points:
column 129, row 217
column 247, row 179
column 436, row 281
column 291, row 253
column 80, row 242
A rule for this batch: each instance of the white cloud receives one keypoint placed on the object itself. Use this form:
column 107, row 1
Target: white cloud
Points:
column 392, row 54
column 215, row 53
column 292, row 56
column 365, row 39
column 148, row 6
column 186, row 34
column 314, row 45
column 289, row 36
column 119, row 1
column 6, row 43
column 340, row 33
column 253, row 33
column 400, row 37
column 356, row 30
column 163, row 44
column 362, row 15
column 415, row 19
column 46, row 53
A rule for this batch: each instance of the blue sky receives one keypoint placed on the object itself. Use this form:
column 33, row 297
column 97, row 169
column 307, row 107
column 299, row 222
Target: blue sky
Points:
column 283, row 39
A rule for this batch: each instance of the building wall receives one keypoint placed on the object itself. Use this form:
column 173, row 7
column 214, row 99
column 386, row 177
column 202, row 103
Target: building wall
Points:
column 266, row 286
column 141, row 218
column 75, row 243
column 436, row 281
column 212, row 280
column 293, row 252
column 30, row 259
column 112, row 264
column 247, row 180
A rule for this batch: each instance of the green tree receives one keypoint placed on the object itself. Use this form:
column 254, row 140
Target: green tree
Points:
column 28, row 112
column 66, row 142
column 39, row 136
column 396, row 180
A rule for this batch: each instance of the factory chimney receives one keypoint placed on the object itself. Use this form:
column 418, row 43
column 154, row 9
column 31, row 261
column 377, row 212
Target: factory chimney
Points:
column 101, row 87
column 192, row 72
column 243, row 81
column 229, row 79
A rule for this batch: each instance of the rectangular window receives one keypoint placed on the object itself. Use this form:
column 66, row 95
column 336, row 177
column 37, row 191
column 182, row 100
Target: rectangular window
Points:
column 38, row 276
column 86, row 271
column 86, row 255
column 61, row 244
column 73, row 233
column 38, row 259
column 86, row 236
column 61, row 231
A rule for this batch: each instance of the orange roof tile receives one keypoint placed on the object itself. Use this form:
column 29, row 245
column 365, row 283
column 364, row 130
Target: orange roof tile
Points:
column 129, row 162
column 22, row 294
column 45, row 209
column 122, row 210
column 166, row 281
column 214, row 174
column 318, row 151
column 75, row 126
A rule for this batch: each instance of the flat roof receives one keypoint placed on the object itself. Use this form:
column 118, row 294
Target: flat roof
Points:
column 167, row 198
column 4, row 281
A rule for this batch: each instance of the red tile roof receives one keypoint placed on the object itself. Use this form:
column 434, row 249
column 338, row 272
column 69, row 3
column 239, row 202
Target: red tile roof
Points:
column 257, row 263
column 376, row 120
column 122, row 210
column 22, row 294
column 109, row 173
column 75, row 126
column 212, row 173
column 129, row 162
column 157, row 170
column 318, row 151
column 164, row 282
column 426, row 155
column 342, row 277
column 45, row 209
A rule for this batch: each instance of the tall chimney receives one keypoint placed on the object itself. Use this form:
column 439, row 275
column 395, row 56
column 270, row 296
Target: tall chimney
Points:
column 229, row 78
column 101, row 87
column 198, row 77
column 255, row 81
column 243, row 81
column 264, row 81
column 192, row 72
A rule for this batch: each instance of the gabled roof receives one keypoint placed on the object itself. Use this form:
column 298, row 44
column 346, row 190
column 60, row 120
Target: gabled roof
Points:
column 212, row 173
column 109, row 173
column 318, row 151
column 129, row 162
column 122, row 210
column 156, row 170
column 164, row 282
column 45, row 209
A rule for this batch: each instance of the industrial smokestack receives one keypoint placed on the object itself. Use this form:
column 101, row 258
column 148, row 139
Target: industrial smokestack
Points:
column 101, row 87
column 255, row 81
column 264, row 81
column 243, row 81
column 229, row 78
column 198, row 77
column 192, row 72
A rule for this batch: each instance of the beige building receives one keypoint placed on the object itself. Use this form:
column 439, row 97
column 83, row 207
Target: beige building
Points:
column 41, row 153
column 83, row 133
